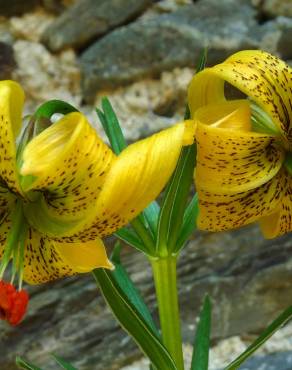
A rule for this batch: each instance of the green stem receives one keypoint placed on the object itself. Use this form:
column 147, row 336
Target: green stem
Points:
column 164, row 271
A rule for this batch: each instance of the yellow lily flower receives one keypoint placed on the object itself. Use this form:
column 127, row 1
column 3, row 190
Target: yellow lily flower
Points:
column 72, row 190
column 242, row 174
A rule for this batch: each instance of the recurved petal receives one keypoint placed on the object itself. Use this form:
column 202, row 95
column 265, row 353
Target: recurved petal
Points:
column 46, row 259
column 220, row 212
column 7, row 204
column 11, row 104
column 67, row 163
column 231, row 161
column 135, row 179
column 261, row 76
column 280, row 221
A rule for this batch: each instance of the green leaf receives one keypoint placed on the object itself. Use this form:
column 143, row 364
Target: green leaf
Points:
column 267, row 333
column 130, row 237
column 132, row 321
column 25, row 365
column 151, row 214
column 129, row 289
column 54, row 106
column 189, row 224
column 64, row 364
column 111, row 126
column 201, row 64
column 200, row 359
column 174, row 202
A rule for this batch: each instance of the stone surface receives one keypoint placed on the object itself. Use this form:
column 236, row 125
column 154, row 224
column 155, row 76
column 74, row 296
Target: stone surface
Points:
column 249, row 280
column 7, row 61
column 274, row 7
column 88, row 19
column 16, row 7
column 284, row 43
column 169, row 40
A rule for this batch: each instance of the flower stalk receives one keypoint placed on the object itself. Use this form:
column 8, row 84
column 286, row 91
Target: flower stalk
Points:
column 165, row 278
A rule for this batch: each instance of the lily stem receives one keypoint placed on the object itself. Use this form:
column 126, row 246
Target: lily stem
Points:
column 164, row 272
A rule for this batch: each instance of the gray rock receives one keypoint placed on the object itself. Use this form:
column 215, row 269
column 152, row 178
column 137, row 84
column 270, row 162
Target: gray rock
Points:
column 57, row 6
column 277, row 361
column 88, row 19
column 273, row 8
column 248, row 278
column 284, row 43
column 163, row 42
column 16, row 7
column 7, row 61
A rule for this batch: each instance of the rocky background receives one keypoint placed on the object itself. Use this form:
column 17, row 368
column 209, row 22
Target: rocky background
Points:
column 141, row 53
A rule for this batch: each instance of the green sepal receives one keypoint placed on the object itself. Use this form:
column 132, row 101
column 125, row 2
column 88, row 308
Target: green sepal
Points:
column 22, row 364
column 132, row 321
column 200, row 358
column 64, row 364
column 189, row 224
column 129, row 288
column 281, row 320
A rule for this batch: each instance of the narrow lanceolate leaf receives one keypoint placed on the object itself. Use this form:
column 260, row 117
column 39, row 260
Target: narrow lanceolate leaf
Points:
column 129, row 288
column 201, row 64
column 175, row 199
column 189, row 224
column 64, row 364
column 267, row 333
column 151, row 214
column 22, row 364
column 132, row 321
column 130, row 237
column 200, row 359
column 112, row 127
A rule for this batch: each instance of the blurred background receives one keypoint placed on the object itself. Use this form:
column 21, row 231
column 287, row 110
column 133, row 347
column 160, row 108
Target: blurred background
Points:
column 142, row 53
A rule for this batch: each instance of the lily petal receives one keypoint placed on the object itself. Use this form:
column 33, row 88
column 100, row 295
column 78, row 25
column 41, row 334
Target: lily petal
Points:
column 135, row 179
column 69, row 164
column 47, row 260
column 261, row 76
column 230, row 161
column 280, row 221
column 7, row 203
column 11, row 104
column 220, row 212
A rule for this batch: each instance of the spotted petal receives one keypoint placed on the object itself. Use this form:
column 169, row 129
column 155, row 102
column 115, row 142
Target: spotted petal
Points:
column 7, row 203
column 280, row 221
column 65, row 167
column 229, row 159
column 134, row 180
column 11, row 104
column 261, row 76
column 47, row 260
column 220, row 211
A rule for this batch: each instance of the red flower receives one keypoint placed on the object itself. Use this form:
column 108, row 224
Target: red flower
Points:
column 13, row 303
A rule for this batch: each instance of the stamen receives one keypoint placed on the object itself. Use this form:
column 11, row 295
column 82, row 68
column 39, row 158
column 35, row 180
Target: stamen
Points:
column 13, row 304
